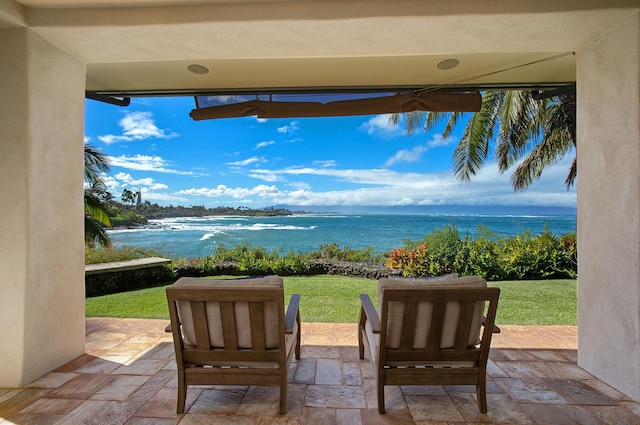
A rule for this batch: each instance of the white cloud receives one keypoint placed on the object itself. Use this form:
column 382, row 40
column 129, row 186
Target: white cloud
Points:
column 379, row 126
column 137, row 126
column 293, row 127
column 126, row 178
column 158, row 186
column 247, row 161
column 166, row 197
column 300, row 185
column 235, row 193
column 145, row 163
column 266, row 176
column 147, row 181
column 416, row 153
column 407, row 155
column 361, row 176
column 387, row 187
column 109, row 138
column 110, row 182
column 145, row 184
column 437, row 140
column 265, row 144
column 294, row 140
column 325, row 163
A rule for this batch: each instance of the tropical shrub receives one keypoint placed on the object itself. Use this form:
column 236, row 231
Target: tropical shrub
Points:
column 244, row 251
column 108, row 254
column 128, row 218
column 333, row 251
column 525, row 256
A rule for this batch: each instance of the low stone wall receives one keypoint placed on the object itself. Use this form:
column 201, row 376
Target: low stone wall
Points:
column 344, row 268
column 130, row 280
column 127, row 280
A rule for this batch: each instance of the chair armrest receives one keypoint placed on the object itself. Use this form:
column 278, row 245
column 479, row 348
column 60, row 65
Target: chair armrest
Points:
column 371, row 313
column 496, row 329
column 292, row 313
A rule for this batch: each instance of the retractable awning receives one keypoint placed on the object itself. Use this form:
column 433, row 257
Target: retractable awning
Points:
column 298, row 105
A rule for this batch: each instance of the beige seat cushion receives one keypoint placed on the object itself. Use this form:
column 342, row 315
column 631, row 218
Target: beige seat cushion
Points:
column 241, row 311
column 452, row 312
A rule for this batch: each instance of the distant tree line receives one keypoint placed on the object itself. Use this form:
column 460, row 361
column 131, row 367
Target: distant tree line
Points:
column 153, row 211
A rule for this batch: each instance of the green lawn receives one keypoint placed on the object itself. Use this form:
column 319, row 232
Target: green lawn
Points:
column 328, row 298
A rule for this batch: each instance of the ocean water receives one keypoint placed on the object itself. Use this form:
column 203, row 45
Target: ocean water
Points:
column 191, row 237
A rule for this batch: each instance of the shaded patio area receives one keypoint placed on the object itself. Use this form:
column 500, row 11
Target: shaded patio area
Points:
column 128, row 376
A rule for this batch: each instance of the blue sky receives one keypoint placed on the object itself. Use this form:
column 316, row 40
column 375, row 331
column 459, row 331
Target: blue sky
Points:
column 153, row 145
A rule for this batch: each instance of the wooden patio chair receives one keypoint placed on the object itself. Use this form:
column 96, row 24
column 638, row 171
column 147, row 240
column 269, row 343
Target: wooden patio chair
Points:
column 428, row 332
column 233, row 332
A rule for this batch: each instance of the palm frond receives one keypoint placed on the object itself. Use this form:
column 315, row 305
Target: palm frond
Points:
column 555, row 144
column 573, row 174
column 433, row 118
column 520, row 124
column 95, row 209
column 473, row 149
column 94, row 232
column 95, row 162
column 413, row 121
column 454, row 118
column 394, row 119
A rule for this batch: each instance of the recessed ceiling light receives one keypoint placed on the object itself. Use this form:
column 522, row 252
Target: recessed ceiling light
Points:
column 448, row 64
column 198, row 69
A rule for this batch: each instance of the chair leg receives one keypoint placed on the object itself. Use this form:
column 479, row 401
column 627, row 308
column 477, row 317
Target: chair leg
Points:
column 283, row 399
column 298, row 340
column 381, row 398
column 361, row 323
column 481, row 392
column 182, row 393
column 380, row 383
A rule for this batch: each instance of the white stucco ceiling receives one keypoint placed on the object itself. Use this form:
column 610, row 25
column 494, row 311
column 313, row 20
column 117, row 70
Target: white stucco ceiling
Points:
column 144, row 46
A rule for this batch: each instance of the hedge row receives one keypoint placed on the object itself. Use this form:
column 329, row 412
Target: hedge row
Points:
column 130, row 280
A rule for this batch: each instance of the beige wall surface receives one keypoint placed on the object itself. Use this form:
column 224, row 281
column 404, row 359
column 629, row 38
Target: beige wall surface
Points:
column 609, row 207
column 13, row 192
column 41, row 247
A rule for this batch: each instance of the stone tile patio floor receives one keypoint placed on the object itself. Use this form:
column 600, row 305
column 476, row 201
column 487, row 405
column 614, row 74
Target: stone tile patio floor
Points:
column 128, row 376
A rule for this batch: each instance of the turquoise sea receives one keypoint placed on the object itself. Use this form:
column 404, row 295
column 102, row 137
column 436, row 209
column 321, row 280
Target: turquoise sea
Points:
column 198, row 236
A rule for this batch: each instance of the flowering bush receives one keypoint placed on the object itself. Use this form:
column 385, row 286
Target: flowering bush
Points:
column 525, row 256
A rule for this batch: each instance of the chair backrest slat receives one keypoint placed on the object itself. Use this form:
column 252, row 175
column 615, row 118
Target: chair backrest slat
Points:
column 407, row 333
column 256, row 317
column 200, row 325
column 228, row 320
column 437, row 325
column 464, row 328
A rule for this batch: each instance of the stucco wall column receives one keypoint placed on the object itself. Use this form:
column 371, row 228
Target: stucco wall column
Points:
column 41, row 207
column 609, row 207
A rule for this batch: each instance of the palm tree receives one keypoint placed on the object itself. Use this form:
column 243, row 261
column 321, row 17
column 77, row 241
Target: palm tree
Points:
column 95, row 216
column 530, row 127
